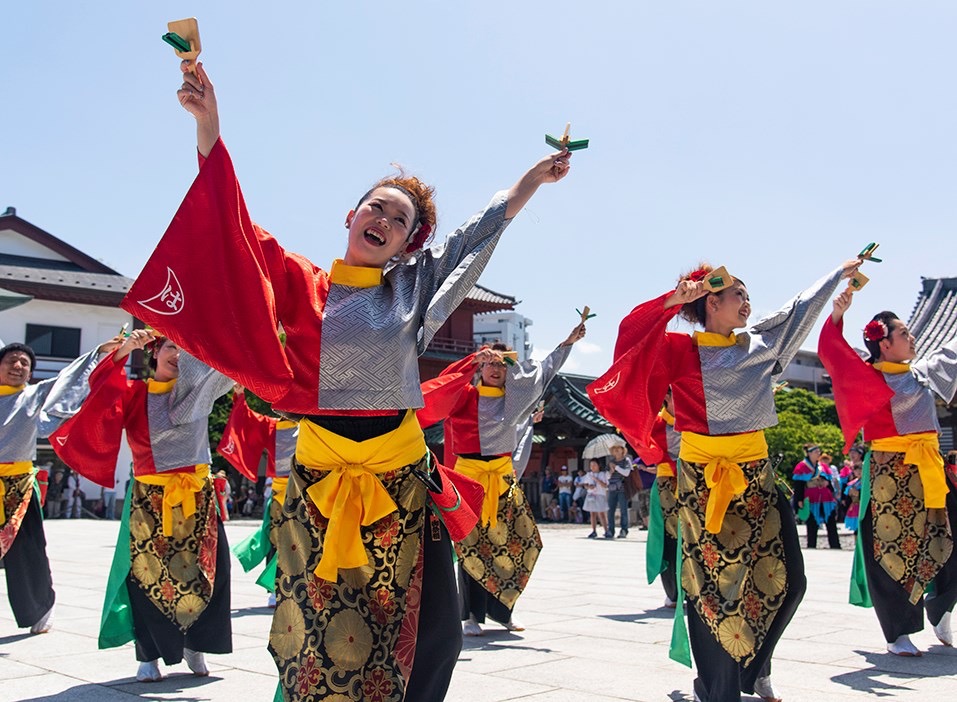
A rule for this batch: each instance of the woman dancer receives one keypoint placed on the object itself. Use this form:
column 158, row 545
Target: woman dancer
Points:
column 742, row 569
column 365, row 585
column 814, row 496
column 486, row 415
column 905, row 541
column 28, row 411
column 168, row 588
column 247, row 436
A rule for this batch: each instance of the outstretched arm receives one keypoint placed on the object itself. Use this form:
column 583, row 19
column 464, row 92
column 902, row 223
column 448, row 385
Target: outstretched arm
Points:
column 550, row 169
column 198, row 97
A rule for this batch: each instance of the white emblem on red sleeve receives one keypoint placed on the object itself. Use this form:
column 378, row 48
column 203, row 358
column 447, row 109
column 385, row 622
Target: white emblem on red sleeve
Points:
column 170, row 300
column 230, row 447
column 62, row 439
column 610, row 385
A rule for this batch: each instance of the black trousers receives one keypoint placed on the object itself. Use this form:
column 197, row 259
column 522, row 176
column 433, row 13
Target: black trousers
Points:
column 439, row 639
column 157, row 637
column 720, row 677
column 29, row 583
column 668, row 575
column 831, row 525
column 897, row 616
column 476, row 602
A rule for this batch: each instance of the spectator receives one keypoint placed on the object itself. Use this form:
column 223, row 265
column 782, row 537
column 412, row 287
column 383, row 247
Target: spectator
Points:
column 620, row 467
column 554, row 512
column 596, row 501
column 578, row 497
column 814, row 497
column 549, row 488
column 109, row 501
column 565, row 486
column 55, row 495
column 74, row 509
column 575, row 513
column 642, row 495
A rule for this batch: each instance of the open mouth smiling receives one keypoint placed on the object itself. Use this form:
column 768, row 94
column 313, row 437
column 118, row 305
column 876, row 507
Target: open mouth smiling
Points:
column 374, row 237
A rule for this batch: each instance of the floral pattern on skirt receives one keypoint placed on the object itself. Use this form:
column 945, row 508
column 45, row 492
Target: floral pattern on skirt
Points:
column 501, row 558
column 667, row 497
column 911, row 542
column 349, row 639
column 176, row 572
column 16, row 500
column 736, row 579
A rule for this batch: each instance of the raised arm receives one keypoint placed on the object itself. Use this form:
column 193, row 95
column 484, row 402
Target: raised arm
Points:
column 198, row 97
column 939, row 369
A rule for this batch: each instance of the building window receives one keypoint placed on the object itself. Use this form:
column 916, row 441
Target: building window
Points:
column 58, row 342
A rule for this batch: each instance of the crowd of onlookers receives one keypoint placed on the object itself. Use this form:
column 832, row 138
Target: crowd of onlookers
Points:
column 601, row 496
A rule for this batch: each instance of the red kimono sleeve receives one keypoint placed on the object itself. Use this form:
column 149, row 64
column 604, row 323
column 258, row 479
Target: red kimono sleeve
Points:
column 246, row 436
column 217, row 284
column 860, row 391
column 443, row 393
column 89, row 441
column 630, row 393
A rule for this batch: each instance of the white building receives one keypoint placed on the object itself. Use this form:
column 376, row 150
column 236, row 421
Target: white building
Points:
column 57, row 300
column 508, row 327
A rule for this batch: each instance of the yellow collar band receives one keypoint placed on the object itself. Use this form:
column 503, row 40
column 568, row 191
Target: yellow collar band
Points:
column 354, row 276
column 714, row 339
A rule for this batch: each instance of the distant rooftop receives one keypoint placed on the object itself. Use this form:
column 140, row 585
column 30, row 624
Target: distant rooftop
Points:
column 934, row 319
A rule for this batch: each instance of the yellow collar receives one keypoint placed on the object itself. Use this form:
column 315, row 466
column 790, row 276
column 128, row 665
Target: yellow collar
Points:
column 667, row 416
column 714, row 339
column 892, row 368
column 286, row 424
column 354, row 276
column 11, row 389
column 157, row 387
column 489, row 391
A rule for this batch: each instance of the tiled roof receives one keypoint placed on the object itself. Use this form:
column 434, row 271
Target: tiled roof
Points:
column 65, row 279
column 934, row 319
column 569, row 391
column 482, row 294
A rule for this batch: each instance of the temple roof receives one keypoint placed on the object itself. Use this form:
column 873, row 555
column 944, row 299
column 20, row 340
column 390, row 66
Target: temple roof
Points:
column 934, row 319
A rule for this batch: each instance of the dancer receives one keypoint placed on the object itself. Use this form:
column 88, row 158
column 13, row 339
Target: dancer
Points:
column 246, row 437
column 168, row 589
column 661, row 552
column 28, row 411
column 359, row 547
column 742, row 568
column 814, row 496
column 486, row 413
column 905, row 543
column 852, row 491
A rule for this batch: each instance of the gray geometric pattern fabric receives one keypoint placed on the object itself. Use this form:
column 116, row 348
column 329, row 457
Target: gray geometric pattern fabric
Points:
column 912, row 405
column 738, row 387
column 939, row 370
column 372, row 336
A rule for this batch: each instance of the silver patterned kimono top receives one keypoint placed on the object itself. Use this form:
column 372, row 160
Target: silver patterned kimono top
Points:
column 179, row 418
column 912, row 405
column 286, row 438
column 372, row 336
column 38, row 410
column 499, row 417
column 674, row 441
column 738, row 380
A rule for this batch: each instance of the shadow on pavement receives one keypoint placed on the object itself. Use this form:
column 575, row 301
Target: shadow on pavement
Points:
column 14, row 638
column 658, row 613
column 251, row 611
column 887, row 664
column 175, row 683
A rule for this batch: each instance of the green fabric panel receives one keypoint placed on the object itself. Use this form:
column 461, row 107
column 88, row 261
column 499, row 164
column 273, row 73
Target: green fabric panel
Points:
column 254, row 549
column 680, row 649
column 267, row 578
column 805, row 511
column 654, row 548
column 859, row 594
column 116, row 622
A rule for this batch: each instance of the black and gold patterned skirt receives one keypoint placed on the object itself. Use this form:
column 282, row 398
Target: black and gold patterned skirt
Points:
column 735, row 579
column 501, row 558
column 18, row 491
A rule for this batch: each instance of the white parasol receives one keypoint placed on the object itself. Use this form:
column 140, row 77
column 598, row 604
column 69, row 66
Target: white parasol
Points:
column 601, row 446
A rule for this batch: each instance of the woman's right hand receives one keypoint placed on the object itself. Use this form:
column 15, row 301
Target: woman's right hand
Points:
column 841, row 303
column 687, row 291
column 198, row 97
column 137, row 340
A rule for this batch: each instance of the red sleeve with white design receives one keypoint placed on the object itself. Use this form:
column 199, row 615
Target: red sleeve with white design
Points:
column 246, row 436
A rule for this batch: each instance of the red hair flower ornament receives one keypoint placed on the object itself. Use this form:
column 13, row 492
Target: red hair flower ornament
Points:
column 875, row 330
column 698, row 275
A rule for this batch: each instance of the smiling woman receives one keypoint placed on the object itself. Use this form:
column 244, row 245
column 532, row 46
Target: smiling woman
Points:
column 730, row 512
column 364, row 483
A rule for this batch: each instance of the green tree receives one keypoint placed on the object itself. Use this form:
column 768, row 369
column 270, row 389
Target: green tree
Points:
column 816, row 409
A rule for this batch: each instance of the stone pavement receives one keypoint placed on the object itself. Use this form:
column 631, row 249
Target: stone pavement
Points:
column 596, row 631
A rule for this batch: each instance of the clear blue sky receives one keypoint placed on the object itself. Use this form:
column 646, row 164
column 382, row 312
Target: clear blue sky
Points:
column 774, row 138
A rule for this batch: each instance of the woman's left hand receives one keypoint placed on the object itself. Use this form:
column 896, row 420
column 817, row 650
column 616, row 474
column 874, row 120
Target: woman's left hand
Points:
column 850, row 267
column 577, row 334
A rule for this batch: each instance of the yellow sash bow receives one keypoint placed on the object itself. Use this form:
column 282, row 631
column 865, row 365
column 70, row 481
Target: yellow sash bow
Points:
column 665, row 470
column 178, row 489
column 9, row 470
column 921, row 450
column 350, row 496
column 279, row 486
column 723, row 456
column 491, row 475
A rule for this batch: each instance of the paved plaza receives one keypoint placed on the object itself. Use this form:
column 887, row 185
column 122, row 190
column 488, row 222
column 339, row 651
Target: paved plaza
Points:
column 596, row 631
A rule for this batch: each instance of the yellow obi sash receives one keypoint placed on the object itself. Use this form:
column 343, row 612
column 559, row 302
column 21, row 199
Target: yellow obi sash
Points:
column 722, row 456
column 921, row 450
column 178, row 489
column 351, row 495
column 279, row 486
column 9, row 470
column 491, row 475
column 665, row 470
